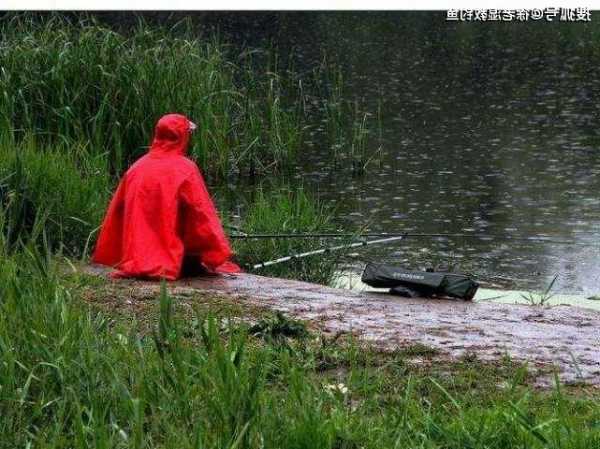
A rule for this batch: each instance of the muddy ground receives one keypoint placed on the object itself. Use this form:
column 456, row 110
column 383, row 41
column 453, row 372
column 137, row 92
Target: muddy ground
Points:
column 562, row 337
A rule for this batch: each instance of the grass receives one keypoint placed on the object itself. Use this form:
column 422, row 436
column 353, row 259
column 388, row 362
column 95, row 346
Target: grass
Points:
column 348, row 128
column 285, row 210
column 334, row 108
column 541, row 298
column 64, row 187
column 109, row 89
column 73, row 376
column 106, row 89
column 360, row 154
column 278, row 328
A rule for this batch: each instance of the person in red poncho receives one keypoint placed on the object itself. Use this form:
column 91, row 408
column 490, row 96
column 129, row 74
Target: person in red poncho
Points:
column 162, row 214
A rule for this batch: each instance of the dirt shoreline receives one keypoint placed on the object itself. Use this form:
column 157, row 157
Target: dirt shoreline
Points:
column 562, row 336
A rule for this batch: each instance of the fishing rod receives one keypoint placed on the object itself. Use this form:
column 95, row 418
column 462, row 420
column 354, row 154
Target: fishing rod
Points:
column 240, row 231
column 325, row 251
column 245, row 236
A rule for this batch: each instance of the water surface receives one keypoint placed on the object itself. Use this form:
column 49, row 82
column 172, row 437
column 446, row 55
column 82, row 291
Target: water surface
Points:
column 485, row 128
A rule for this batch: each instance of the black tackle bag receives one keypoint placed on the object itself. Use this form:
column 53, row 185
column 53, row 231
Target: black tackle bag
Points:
column 422, row 284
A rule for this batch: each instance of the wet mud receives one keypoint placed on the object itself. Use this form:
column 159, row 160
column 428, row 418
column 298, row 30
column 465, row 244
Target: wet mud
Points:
column 565, row 338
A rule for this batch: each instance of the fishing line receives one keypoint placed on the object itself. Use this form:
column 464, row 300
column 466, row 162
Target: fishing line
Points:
column 488, row 237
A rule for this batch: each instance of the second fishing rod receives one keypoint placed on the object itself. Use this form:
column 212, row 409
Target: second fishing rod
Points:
column 324, row 235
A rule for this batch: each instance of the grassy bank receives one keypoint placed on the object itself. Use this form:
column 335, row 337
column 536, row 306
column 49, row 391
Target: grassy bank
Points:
column 172, row 376
column 63, row 188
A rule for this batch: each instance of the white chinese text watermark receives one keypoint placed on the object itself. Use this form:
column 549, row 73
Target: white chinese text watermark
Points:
column 519, row 15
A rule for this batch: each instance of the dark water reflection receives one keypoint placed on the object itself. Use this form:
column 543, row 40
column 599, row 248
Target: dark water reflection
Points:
column 485, row 129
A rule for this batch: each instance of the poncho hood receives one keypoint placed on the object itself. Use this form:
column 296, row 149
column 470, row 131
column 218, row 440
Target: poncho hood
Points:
column 171, row 135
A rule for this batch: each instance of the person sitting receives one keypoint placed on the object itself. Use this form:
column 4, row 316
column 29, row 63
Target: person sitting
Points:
column 161, row 218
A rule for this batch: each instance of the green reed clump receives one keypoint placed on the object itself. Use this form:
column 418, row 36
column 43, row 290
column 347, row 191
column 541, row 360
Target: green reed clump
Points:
column 336, row 111
column 358, row 154
column 80, row 81
column 348, row 127
column 61, row 187
column 275, row 124
column 288, row 211
column 541, row 298
column 84, row 82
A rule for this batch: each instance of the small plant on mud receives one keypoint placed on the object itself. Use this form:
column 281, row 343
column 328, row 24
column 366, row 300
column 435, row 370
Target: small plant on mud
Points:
column 418, row 350
column 278, row 328
column 540, row 299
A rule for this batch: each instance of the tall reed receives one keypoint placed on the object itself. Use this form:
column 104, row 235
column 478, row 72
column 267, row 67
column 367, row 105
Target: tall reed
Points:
column 347, row 125
column 85, row 82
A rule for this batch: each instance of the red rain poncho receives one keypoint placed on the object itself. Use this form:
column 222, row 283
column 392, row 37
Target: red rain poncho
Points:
column 162, row 212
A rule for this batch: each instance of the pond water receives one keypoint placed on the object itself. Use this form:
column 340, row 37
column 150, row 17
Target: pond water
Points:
column 485, row 129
